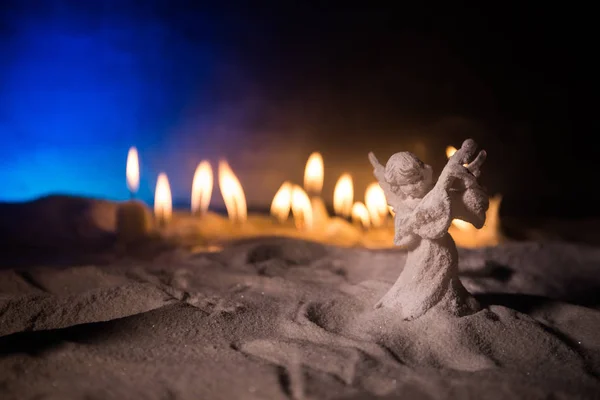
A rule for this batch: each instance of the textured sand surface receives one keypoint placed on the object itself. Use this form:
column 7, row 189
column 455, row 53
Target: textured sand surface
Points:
column 277, row 318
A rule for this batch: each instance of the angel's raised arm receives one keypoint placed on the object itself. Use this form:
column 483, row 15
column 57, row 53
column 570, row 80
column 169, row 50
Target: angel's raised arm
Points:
column 430, row 219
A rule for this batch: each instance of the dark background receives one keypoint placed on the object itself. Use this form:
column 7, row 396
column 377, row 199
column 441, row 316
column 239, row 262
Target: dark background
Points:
column 265, row 86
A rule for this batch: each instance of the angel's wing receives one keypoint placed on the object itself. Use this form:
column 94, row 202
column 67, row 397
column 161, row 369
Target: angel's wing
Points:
column 378, row 168
column 393, row 198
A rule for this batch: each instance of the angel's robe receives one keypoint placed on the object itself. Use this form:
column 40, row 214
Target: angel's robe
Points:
column 430, row 275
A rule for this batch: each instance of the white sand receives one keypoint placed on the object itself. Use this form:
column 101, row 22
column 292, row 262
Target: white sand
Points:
column 279, row 319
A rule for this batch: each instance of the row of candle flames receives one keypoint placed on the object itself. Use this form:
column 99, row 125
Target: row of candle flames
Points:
column 290, row 198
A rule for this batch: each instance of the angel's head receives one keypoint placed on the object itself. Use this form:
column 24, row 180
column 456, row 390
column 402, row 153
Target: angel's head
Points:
column 409, row 175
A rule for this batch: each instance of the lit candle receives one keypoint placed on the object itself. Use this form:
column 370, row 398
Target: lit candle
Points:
column 343, row 196
column 233, row 194
column 376, row 204
column 202, row 187
column 133, row 219
column 163, row 205
column 313, row 175
column 313, row 184
column 133, row 171
column 360, row 215
column 302, row 209
column 282, row 202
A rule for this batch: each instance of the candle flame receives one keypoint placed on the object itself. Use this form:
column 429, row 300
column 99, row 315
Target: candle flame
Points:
column 133, row 170
column 376, row 204
column 163, row 205
column 360, row 214
column 450, row 150
column 313, row 174
column 282, row 202
column 301, row 208
column 233, row 193
column 343, row 196
column 202, row 187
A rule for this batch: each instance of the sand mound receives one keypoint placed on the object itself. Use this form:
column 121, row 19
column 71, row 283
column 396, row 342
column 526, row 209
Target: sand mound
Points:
column 57, row 222
column 40, row 299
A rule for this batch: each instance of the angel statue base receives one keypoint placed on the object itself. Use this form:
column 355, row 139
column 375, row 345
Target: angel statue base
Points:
column 423, row 214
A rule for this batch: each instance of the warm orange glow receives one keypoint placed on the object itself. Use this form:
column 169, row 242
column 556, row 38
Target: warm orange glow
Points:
column 202, row 187
column 450, row 150
column 360, row 214
column 492, row 219
column 163, row 205
column 133, row 170
column 462, row 225
column 343, row 196
column 233, row 193
column 376, row 204
column 282, row 202
column 301, row 208
column 313, row 174
column 466, row 235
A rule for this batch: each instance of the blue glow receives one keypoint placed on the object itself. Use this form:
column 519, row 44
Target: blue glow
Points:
column 79, row 87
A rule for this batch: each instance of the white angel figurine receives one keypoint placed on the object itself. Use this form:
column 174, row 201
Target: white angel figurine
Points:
column 423, row 214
